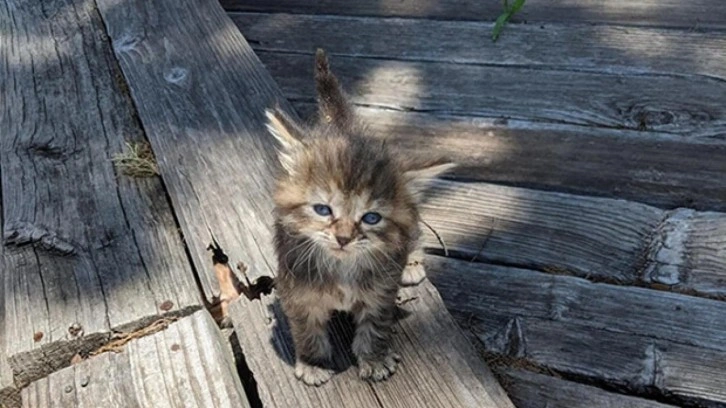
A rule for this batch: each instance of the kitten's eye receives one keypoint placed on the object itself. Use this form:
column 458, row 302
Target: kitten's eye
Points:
column 322, row 209
column 371, row 218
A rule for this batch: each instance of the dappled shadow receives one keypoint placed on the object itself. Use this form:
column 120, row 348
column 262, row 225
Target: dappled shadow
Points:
column 595, row 110
column 115, row 239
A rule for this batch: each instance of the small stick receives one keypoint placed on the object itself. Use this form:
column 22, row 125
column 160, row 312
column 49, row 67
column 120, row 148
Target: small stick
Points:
column 441, row 241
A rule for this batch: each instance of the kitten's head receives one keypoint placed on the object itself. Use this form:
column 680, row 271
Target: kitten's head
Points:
column 346, row 193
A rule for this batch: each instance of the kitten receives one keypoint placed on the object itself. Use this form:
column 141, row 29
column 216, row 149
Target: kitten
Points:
column 346, row 219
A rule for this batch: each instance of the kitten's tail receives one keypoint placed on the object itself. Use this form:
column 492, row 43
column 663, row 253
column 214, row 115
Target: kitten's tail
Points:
column 332, row 103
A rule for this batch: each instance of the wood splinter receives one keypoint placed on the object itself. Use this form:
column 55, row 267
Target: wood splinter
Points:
column 230, row 286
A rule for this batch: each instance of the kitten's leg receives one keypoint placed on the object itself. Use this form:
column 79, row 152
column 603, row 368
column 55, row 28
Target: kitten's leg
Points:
column 414, row 272
column 312, row 346
column 372, row 342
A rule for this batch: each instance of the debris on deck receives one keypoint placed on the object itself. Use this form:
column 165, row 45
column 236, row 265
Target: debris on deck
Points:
column 187, row 365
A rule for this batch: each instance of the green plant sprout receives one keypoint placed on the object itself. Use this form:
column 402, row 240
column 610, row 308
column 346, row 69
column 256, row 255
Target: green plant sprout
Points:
column 503, row 18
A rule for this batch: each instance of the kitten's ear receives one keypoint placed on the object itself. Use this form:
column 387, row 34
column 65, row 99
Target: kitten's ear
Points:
column 287, row 133
column 332, row 103
column 420, row 179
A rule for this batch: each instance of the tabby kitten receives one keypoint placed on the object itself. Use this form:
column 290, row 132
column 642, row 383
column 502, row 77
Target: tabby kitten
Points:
column 346, row 221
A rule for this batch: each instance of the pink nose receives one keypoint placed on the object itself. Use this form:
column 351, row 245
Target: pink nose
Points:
column 343, row 241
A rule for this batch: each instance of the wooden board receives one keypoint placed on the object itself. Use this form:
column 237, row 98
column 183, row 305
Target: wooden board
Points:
column 532, row 390
column 561, row 233
column 495, row 294
column 87, row 249
column 203, row 109
column 439, row 368
column 684, row 105
column 667, row 13
column 597, row 238
column 187, row 365
column 635, row 339
column 585, row 47
column 691, row 249
column 9, row 394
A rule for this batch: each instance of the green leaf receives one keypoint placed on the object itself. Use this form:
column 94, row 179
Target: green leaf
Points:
column 518, row 4
column 499, row 25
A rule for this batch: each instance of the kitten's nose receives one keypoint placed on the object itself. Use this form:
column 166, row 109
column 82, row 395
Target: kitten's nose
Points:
column 343, row 241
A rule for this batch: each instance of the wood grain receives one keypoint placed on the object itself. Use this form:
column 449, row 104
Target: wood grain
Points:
column 440, row 368
column 186, row 365
column 88, row 250
column 599, row 48
column 687, row 106
column 560, row 233
column 597, row 238
column 634, row 339
column 497, row 294
column 690, row 251
column 203, row 110
column 532, row 390
column 666, row 13
column 9, row 394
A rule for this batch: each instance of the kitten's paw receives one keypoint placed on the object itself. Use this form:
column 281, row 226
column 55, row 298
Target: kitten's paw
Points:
column 413, row 274
column 378, row 370
column 312, row 375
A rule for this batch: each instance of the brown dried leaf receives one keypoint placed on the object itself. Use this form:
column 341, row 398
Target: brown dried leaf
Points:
column 38, row 336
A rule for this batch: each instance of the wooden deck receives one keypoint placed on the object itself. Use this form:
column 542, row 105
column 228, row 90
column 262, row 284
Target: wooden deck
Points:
column 585, row 230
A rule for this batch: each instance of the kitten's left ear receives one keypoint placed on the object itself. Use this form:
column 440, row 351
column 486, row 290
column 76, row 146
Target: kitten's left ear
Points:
column 287, row 133
column 419, row 180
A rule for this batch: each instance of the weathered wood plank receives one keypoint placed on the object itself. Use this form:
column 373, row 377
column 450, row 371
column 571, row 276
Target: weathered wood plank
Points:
column 439, row 367
column 532, row 390
column 9, row 394
column 591, row 237
column 684, row 105
column 562, row 233
column 203, row 108
column 691, row 249
column 667, row 13
column 88, row 250
column 186, row 365
column 602, row 48
column 638, row 340
column 496, row 294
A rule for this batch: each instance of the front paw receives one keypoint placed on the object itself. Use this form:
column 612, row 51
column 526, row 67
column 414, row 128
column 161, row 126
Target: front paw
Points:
column 378, row 369
column 312, row 375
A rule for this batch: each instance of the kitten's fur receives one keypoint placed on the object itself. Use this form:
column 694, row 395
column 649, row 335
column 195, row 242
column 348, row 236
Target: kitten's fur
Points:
column 338, row 262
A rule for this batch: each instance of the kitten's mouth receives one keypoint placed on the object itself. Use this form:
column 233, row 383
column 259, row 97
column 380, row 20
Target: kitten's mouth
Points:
column 338, row 251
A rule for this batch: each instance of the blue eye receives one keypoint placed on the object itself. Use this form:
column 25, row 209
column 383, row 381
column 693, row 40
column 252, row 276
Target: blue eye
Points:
column 322, row 209
column 371, row 218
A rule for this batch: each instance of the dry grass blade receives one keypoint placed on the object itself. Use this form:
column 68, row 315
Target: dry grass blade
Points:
column 137, row 161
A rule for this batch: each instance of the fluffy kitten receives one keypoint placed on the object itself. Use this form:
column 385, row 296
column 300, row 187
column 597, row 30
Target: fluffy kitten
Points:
column 346, row 221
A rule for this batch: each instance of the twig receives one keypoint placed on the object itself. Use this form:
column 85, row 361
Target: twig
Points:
column 441, row 241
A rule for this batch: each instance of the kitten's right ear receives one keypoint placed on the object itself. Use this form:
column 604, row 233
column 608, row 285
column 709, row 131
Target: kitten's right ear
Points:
column 287, row 133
